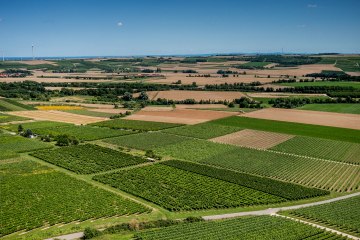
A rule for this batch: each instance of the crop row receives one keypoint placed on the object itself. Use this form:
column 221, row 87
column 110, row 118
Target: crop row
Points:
column 88, row 158
column 342, row 214
column 135, row 125
column 20, row 144
column 37, row 195
column 327, row 175
column 9, row 118
column 321, row 148
column 282, row 189
column 250, row 228
column 176, row 189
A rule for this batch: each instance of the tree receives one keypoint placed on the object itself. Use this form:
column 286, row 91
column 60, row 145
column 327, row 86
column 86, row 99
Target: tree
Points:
column 127, row 96
column 28, row 133
column 143, row 96
column 20, row 129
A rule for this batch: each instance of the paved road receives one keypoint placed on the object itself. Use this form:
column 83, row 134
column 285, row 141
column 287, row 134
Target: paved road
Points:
column 270, row 211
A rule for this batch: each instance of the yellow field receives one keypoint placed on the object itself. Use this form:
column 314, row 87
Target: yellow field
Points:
column 58, row 107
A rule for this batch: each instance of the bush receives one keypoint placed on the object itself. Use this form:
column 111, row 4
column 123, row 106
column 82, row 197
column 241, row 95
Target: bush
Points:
column 66, row 140
column 90, row 233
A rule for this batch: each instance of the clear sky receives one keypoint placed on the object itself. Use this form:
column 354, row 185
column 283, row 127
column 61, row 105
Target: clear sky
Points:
column 141, row 27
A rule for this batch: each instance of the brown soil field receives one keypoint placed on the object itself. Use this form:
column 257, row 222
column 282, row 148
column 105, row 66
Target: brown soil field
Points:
column 58, row 116
column 214, row 79
column 341, row 120
column 183, row 116
column 281, row 95
column 157, row 109
column 353, row 73
column 108, row 110
column 253, row 139
column 198, row 106
column 179, row 95
column 293, row 71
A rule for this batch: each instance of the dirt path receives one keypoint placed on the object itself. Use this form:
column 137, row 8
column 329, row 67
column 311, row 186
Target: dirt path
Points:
column 71, row 236
column 270, row 211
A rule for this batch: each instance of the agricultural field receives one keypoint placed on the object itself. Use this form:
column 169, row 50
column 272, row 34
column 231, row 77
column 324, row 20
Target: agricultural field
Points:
column 330, row 119
column 12, row 105
column 58, row 116
column 302, row 170
column 352, row 108
column 321, row 148
column 196, row 95
column 259, row 227
column 274, row 187
column 342, row 215
column 347, row 64
column 253, row 139
column 339, row 134
column 203, row 130
column 58, row 107
column 146, row 141
column 91, row 113
column 88, row 158
column 322, row 83
column 39, row 196
column 135, row 125
column 5, row 118
column 21, row 144
column 179, row 190
column 254, row 65
column 34, row 125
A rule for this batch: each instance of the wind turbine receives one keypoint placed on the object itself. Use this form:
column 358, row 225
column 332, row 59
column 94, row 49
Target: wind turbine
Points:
column 32, row 51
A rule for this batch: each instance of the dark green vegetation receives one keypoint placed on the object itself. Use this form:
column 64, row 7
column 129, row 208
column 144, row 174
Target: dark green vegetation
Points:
column 146, row 141
column 12, row 105
column 321, row 148
column 342, row 215
column 340, row 134
column 287, row 167
column 135, row 125
column 284, row 60
column 294, row 102
column 178, row 190
column 4, row 118
column 88, row 158
column 87, row 133
column 323, row 83
column 90, row 113
column 249, row 228
column 37, row 195
column 253, row 65
column 353, row 108
column 347, row 64
column 203, row 130
column 282, row 189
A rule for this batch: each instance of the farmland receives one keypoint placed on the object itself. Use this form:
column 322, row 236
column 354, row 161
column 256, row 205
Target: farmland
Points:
column 323, row 83
column 177, row 190
column 146, row 141
column 52, row 197
column 340, row 107
column 340, row 134
column 271, row 186
column 321, row 148
column 91, row 113
column 88, row 158
column 12, row 105
column 4, row 118
column 135, row 125
column 260, row 227
column 342, row 215
column 21, row 144
column 335, row 176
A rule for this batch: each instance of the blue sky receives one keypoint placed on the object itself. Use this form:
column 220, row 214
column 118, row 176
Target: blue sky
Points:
column 91, row 27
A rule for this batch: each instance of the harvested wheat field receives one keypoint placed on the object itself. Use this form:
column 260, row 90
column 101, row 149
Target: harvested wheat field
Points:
column 342, row 120
column 253, row 139
column 179, row 95
column 59, row 107
column 199, row 106
column 183, row 116
column 108, row 110
column 58, row 116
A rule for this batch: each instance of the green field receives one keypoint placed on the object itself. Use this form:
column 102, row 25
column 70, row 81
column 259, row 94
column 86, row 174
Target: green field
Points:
column 279, row 188
column 249, row 228
column 12, row 105
column 178, row 190
column 88, row 158
column 321, row 148
column 4, row 118
column 203, row 130
column 255, row 64
column 334, row 133
column 322, row 83
column 21, row 144
column 347, row 64
column 135, row 125
column 302, row 170
column 86, row 133
column 146, row 141
column 90, row 113
column 353, row 108
column 342, row 215
column 35, row 195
